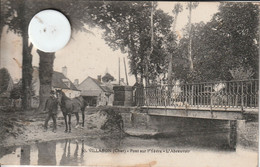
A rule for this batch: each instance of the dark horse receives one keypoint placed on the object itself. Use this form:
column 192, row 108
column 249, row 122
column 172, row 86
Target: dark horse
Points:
column 71, row 106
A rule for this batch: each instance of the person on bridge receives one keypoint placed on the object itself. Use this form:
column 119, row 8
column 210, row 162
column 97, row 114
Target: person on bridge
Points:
column 51, row 106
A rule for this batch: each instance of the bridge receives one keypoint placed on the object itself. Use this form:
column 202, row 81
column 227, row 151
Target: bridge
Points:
column 223, row 100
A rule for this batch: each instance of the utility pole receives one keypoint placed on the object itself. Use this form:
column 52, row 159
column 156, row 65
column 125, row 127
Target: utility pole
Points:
column 125, row 73
column 119, row 70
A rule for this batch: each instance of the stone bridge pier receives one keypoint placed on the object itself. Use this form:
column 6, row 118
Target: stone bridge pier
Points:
column 228, row 132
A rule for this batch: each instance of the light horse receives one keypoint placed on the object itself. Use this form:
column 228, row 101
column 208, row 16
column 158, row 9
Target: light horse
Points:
column 71, row 106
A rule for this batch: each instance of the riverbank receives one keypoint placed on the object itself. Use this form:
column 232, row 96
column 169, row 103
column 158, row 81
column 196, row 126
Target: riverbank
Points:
column 23, row 128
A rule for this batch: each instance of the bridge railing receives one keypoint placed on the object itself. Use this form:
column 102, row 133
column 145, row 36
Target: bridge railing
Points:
column 224, row 94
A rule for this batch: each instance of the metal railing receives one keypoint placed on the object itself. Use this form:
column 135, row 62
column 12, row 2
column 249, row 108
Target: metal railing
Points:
column 224, row 94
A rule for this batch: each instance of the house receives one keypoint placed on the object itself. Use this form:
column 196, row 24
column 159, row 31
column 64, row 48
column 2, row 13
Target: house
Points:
column 96, row 92
column 59, row 81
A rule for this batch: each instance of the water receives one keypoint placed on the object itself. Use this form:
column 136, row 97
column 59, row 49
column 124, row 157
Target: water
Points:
column 213, row 149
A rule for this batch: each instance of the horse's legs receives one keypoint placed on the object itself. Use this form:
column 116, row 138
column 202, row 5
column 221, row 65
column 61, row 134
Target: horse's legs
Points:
column 83, row 118
column 65, row 119
column 69, row 122
column 77, row 116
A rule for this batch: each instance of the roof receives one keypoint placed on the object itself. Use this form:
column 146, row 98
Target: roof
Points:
column 103, row 87
column 100, row 85
column 57, row 81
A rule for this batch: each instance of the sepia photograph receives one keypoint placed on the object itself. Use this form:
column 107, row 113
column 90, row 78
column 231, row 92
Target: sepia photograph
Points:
column 129, row 83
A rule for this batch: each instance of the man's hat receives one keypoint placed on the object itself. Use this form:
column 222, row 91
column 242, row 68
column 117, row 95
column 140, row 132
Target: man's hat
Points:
column 52, row 92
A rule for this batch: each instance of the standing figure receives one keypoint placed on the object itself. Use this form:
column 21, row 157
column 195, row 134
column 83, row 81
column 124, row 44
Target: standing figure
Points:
column 71, row 106
column 51, row 106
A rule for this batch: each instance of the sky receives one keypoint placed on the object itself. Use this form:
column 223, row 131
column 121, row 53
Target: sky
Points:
column 87, row 54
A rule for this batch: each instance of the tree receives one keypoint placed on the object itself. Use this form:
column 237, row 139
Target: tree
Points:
column 5, row 79
column 17, row 20
column 18, row 15
column 3, row 9
column 236, row 38
column 128, row 28
column 45, row 76
column 228, row 42
column 107, row 77
column 16, row 92
column 171, row 40
column 190, row 6
column 241, row 32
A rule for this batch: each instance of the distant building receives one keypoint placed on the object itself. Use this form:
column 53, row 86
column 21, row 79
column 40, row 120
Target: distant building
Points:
column 59, row 81
column 95, row 92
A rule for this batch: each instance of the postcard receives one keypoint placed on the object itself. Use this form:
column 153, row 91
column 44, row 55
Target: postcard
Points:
column 129, row 83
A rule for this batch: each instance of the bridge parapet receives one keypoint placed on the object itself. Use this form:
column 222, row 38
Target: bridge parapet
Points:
column 222, row 95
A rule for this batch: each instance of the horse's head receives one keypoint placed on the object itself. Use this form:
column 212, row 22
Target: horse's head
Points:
column 59, row 95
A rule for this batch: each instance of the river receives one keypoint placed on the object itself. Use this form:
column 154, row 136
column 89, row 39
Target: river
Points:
column 203, row 149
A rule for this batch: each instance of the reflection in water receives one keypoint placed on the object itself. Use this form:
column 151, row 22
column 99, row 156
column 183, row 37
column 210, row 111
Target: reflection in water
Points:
column 25, row 155
column 6, row 151
column 223, row 141
column 72, row 151
column 233, row 135
column 67, row 159
column 47, row 153
column 111, row 142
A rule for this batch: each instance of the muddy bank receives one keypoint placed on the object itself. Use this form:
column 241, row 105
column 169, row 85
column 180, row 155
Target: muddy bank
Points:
column 21, row 128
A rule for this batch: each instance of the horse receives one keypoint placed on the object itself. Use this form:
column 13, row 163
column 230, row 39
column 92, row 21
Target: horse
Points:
column 71, row 106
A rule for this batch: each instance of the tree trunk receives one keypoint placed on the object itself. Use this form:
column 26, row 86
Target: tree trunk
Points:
column 47, row 153
column 136, row 78
column 170, row 70
column 26, row 72
column 45, row 76
column 170, row 55
column 1, row 31
column 142, row 78
column 190, row 53
column 170, row 76
column 151, row 50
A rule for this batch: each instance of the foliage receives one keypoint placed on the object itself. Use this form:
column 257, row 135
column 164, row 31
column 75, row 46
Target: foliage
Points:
column 17, row 16
column 241, row 73
column 4, row 80
column 229, row 41
column 16, row 92
column 128, row 28
column 20, row 12
column 107, row 77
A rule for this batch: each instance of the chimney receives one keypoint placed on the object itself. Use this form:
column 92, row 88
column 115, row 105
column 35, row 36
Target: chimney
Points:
column 76, row 82
column 64, row 71
column 99, row 78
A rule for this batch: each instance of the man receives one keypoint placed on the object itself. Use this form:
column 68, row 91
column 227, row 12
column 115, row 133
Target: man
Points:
column 51, row 106
column 138, row 92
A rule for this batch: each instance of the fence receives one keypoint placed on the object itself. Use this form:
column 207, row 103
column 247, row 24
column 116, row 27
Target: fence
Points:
column 224, row 94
